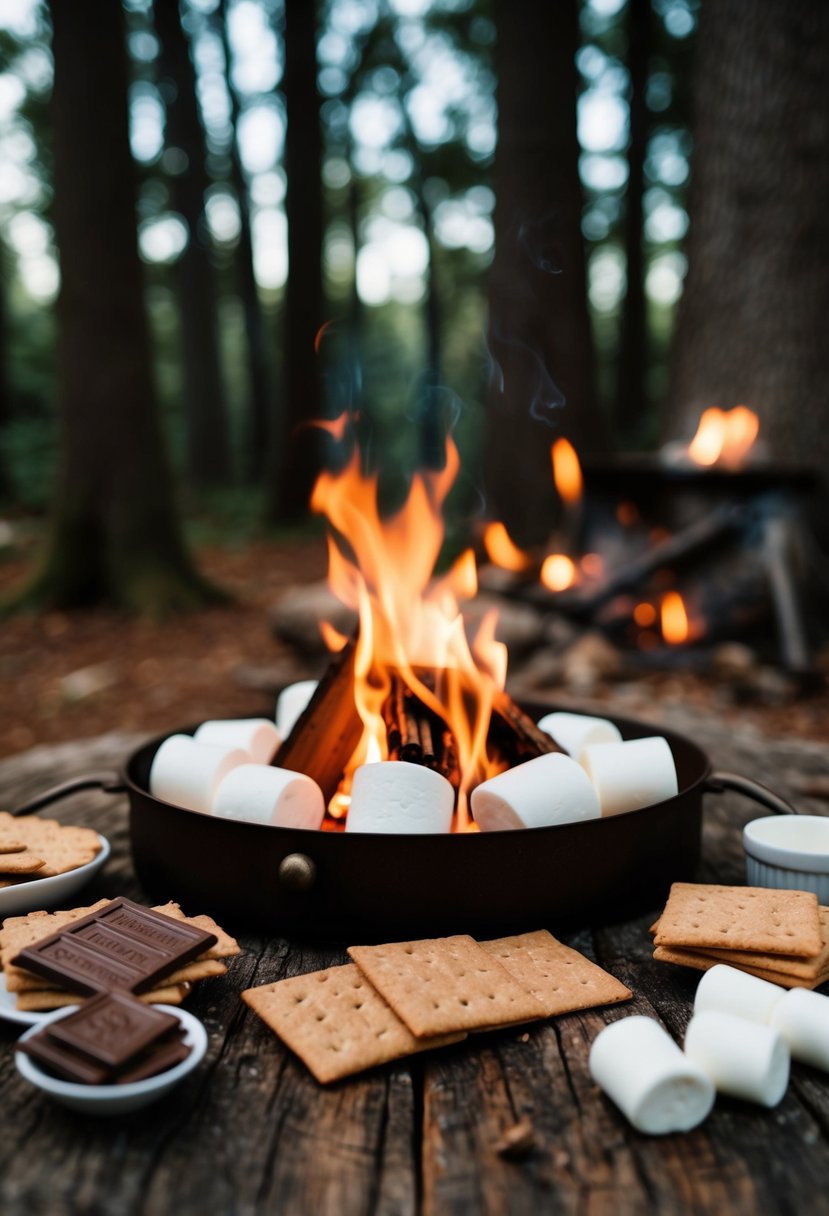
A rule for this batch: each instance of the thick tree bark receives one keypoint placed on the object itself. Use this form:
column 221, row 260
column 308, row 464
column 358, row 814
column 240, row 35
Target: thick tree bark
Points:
column 258, row 421
column 295, row 447
column 631, row 413
column 208, row 454
column 752, row 321
column 115, row 536
column 539, row 327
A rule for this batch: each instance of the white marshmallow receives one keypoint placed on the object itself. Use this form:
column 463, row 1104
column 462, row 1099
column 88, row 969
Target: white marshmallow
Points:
column 395, row 796
column 575, row 732
column 640, row 1067
column 187, row 773
column 258, row 736
column 547, row 790
column 627, row 776
column 291, row 703
column 259, row 793
column 742, row 1058
column 726, row 990
column 802, row 1018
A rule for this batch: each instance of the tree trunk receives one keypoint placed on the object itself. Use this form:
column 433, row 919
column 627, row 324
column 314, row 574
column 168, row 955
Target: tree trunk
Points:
column 539, row 327
column 632, row 413
column 295, row 447
column 5, row 387
column 208, row 453
column 752, row 321
column 256, row 431
column 115, row 536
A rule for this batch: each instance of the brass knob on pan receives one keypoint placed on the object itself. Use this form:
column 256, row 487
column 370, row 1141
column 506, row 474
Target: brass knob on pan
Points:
column 297, row 872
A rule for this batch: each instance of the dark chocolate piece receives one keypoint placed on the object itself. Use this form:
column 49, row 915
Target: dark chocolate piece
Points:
column 111, row 1029
column 62, row 1062
column 121, row 946
column 159, row 1059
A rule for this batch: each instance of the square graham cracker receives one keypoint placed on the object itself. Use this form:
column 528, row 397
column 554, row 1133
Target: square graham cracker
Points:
column 740, row 918
column 336, row 1022
column 561, row 979
column 704, row 962
column 441, row 985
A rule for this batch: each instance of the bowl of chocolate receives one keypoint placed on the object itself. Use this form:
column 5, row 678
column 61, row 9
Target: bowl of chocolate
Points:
column 112, row 1054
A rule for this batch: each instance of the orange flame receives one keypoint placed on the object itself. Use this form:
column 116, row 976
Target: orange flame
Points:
column 724, row 437
column 673, row 619
column 501, row 551
column 558, row 572
column 566, row 471
column 408, row 621
column 333, row 639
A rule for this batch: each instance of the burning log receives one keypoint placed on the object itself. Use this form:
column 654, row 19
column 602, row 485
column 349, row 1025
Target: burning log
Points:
column 417, row 735
column 515, row 733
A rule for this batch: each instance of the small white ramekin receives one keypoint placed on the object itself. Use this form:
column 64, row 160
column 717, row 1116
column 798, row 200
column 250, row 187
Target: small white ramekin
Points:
column 788, row 852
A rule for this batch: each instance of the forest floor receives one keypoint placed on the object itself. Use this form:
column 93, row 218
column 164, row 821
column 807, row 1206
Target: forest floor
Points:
column 76, row 675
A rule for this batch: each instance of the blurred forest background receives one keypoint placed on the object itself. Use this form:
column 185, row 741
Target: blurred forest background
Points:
column 222, row 219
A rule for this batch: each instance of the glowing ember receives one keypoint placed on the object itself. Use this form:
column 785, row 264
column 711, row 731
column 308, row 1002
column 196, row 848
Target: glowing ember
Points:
column 558, row 572
column 724, row 437
column 411, row 626
column 673, row 619
column 644, row 614
column 501, row 551
column 566, row 471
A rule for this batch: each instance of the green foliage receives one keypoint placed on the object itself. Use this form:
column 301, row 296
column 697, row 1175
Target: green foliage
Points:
column 29, row 454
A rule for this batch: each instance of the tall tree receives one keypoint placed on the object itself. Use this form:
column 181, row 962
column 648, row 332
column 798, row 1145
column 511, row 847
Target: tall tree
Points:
column 208, row 453
column 115, row 535
column 539, row 335
column 294, row 446
column 751, row 325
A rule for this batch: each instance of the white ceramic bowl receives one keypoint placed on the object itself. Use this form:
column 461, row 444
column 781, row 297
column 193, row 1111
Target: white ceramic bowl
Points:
column 40, row 893
column 788, row 852
column 114, row 1099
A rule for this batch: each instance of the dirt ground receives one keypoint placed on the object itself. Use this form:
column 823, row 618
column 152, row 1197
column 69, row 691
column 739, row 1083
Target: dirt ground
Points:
column 73, row 676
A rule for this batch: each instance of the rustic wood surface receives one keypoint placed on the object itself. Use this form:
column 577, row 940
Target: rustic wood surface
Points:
column 251, row 1131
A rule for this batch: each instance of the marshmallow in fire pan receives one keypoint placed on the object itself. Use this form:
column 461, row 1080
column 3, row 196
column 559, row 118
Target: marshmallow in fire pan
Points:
column 395, row 796
column 187, row 773
column 258, row 736
column 291, row 704
column 628, row 776
column 640, row 1067
column 742, row 1058
column 547, row 790
column 575, row 732
column 259, row 793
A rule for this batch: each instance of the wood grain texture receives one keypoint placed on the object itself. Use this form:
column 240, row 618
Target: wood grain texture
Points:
column 251, row 1132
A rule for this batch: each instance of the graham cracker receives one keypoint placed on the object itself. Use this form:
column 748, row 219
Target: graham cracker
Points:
column 807, row 968
column 741, row 918
column 560, row 978
column 56, row 998
column 704, row 962
column 20, row 980
column 446, row 984
column 62, row 848
column 25, row 862
column 20, row 931
column 225, row 946
column 336, row 1022
column 11, row 846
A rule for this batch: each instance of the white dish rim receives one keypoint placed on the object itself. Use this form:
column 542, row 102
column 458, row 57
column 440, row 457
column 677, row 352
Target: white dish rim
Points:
column 785, row 856
column 39, row 888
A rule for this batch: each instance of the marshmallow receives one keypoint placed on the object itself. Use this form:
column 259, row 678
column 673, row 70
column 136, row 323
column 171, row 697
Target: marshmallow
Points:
column 640, row 1067
column 742, row 1058
column 802, row 1018
column 291, row 703
column 187, row 773
column 258, row 736
column 395, row 796
column 575, row 732
column 627, row 776
column 258, row 793
column 549, row 789
column 726, row 990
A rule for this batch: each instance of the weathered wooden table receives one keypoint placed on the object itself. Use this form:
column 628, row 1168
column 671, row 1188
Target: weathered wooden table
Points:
column 251, row 1131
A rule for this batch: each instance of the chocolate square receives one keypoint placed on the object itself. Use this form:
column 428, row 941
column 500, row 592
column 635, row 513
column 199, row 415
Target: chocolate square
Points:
column 112, row 1029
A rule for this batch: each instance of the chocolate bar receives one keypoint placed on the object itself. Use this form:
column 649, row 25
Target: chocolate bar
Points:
column 121, row 946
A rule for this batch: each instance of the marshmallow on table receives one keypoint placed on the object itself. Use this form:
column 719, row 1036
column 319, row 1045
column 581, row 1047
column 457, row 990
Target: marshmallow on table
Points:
column 259, row 793
column 802, row 1018
column 640, row 1067
column 291, row 704
column 724, row 989
column 187, row 773
column 547, row 790
column 258, row 736
column 628, row 776
column 395, row 796
column 575, row 732
column 742, row 1058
